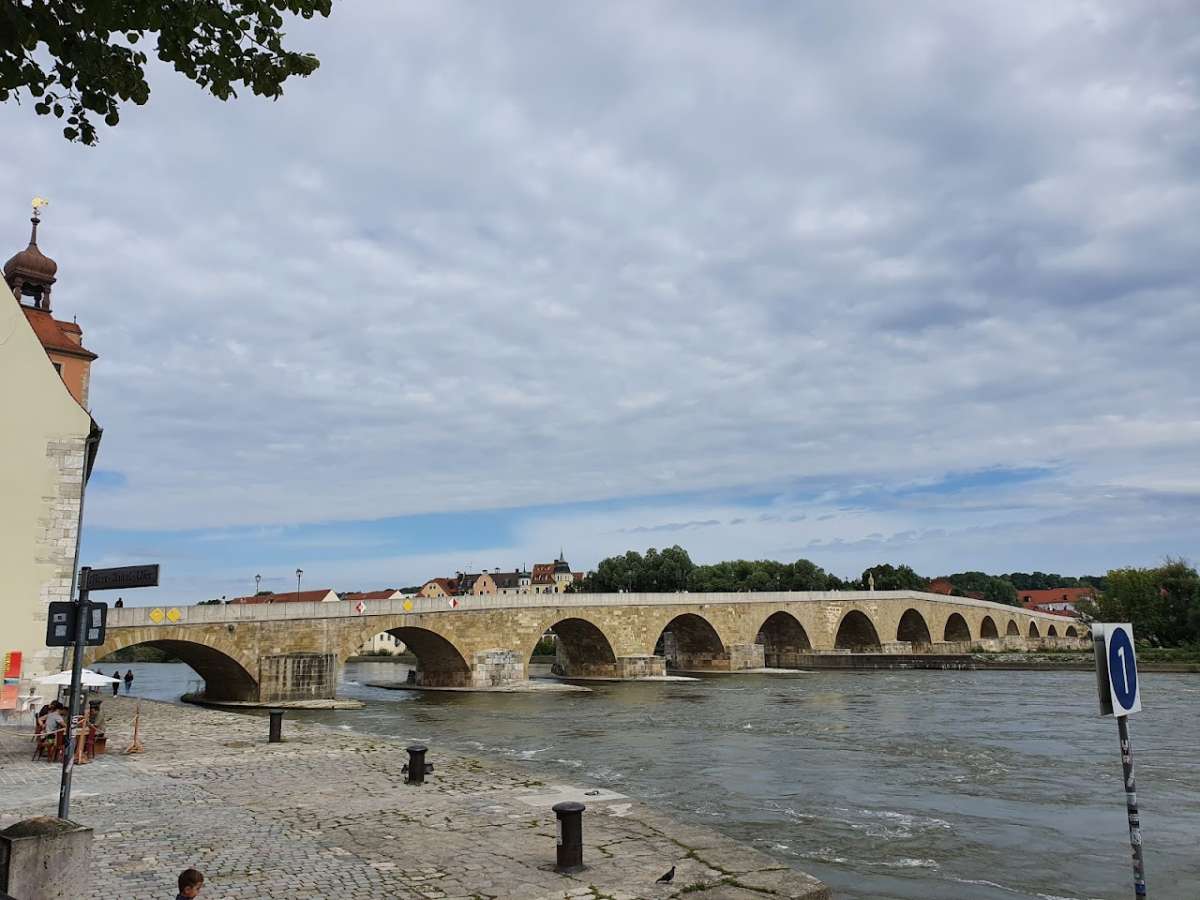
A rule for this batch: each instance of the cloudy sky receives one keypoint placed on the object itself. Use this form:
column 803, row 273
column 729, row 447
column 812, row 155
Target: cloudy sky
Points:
column 856, row 282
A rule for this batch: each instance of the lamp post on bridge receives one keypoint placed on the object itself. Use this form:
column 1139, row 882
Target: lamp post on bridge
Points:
column 257, row 584
column 299, row 572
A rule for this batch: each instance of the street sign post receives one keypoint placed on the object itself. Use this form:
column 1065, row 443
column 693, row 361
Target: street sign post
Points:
column 1120, row 696
column 121, row 578
column 84, row 621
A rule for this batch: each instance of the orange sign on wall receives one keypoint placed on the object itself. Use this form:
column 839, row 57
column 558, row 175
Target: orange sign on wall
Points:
column 12, row 674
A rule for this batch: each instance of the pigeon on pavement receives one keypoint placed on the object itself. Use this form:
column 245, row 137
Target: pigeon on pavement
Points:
column 668, row 877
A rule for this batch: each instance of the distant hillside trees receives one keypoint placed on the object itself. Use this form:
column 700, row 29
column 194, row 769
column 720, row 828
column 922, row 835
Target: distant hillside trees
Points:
column 1163, row 603
column 995, row 588
column 763, row 575
column 672, row 569
column 893, row 578
column 655, row 571
column 1040, row 581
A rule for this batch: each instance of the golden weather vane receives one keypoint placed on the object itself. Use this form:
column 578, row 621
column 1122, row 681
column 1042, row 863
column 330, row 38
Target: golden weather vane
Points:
column 37, row 204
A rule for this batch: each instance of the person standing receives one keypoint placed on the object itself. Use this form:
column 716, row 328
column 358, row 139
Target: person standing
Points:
column 128, row 679
column 117, row 682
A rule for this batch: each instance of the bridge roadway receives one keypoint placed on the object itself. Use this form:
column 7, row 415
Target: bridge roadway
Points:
column 292, row 651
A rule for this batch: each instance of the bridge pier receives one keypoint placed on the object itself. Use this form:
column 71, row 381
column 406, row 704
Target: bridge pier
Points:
column 641, row 667
column 294, row 676
column 746, row 656
column 496, row 668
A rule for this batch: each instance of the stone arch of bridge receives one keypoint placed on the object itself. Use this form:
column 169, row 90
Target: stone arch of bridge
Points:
column 856, row 632
column 1051, row 631
column 956, row 628
column 783, row 639
column 987, row 628
column 690, row 642
column 1033, row 629
column 442, row 659
column 227, row 676
column 1012, row 630
column 583, row 649
column 913, row 628
column 1071, row 632
column 440, row 663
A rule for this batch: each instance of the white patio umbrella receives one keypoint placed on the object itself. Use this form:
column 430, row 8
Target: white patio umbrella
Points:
column 87, row 679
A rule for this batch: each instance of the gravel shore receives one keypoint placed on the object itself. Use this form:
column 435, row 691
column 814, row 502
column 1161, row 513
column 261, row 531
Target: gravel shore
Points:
column 326, row 813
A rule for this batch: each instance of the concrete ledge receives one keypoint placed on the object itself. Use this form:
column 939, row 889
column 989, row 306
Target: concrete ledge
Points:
column 281, row 704
column 515, row 687
column 45, row 858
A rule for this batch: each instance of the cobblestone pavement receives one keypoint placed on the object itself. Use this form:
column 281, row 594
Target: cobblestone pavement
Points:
column 326, row 813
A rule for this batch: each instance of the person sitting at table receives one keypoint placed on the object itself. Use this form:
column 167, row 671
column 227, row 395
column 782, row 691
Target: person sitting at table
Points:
column 96, row 734
column 96, row 717
column 52, row 725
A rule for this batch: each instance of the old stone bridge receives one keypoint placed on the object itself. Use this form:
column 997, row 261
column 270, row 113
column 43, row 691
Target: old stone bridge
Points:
column 288, row 651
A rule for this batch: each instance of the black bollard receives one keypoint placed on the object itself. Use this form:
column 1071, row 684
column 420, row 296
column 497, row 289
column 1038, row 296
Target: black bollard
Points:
column 416, row 764
column 276, row 726
column 570, row 836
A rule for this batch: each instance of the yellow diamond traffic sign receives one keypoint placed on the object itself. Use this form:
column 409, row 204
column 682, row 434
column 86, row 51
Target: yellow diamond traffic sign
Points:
column 174, row 614
column 156, row 616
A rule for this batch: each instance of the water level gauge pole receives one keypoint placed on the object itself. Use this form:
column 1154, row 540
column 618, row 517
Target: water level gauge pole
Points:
column 1131, row 807
column 1120, row 697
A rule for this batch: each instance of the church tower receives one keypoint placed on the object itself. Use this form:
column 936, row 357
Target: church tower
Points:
column 30, row 275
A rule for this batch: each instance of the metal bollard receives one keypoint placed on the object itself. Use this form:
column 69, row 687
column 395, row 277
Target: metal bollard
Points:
column 570, row 836
column 417, row 768
column 276, row 726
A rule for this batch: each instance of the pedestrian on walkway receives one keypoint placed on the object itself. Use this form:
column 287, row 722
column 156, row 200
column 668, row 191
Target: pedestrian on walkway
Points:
column 190, row 882
column 128, row 679
column 117, row 682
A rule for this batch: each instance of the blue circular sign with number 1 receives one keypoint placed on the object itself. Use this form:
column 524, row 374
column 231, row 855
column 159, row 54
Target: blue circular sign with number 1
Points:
column 1122, row 671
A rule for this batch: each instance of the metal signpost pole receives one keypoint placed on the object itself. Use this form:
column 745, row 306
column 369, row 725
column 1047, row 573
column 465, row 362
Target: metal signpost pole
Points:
column 1131, row 807
column 81, row 622
column 1120, row 696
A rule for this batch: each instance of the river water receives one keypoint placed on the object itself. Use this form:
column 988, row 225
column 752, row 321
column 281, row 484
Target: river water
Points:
column 914, row 785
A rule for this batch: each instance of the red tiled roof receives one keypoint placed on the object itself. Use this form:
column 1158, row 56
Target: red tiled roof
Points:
column 449, row 585
column 543, row 573
column 313, row 596
column 367, row 595
column 52, row 333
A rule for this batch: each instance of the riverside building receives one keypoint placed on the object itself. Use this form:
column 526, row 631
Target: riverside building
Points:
column 48, row 443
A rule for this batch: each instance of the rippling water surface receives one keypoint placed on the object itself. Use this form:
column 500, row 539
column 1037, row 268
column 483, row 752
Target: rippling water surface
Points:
column 915, row 785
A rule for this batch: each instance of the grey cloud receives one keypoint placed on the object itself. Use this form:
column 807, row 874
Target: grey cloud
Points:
column 671, row 526
column 480, row 260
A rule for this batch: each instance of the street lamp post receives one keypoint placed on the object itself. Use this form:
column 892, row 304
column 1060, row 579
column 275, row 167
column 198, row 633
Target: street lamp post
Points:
column 299, row 572
column 257, row 583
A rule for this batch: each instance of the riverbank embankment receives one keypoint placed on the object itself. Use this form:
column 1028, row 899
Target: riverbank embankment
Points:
column 326, row 813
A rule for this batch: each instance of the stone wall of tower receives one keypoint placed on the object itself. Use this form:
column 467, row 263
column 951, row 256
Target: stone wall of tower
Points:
column 57, row 538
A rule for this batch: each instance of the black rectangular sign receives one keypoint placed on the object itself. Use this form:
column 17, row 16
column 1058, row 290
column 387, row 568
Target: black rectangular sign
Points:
column 121, row 578
column 60, row 624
